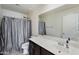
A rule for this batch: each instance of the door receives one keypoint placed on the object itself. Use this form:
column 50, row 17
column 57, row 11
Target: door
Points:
column 69, row 25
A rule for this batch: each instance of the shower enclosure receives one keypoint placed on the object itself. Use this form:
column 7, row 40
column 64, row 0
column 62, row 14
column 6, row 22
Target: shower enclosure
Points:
column 14, row 32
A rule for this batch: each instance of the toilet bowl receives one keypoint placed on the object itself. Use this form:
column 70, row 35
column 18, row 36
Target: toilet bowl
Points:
column 25, row 47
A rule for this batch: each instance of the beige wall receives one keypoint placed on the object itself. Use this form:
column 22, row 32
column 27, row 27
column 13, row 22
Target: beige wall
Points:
column 6, row 12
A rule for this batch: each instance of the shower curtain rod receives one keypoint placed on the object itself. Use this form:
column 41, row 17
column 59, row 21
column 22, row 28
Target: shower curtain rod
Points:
column 16, row 17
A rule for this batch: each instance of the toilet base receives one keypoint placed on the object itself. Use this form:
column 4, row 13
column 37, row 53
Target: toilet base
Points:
column 25, row 52
column 25, row 47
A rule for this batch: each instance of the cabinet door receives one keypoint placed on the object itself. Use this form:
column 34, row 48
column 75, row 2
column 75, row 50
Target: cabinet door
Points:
column 34, row 49
column 31, row 48
column 37, row 49
column 45, row 52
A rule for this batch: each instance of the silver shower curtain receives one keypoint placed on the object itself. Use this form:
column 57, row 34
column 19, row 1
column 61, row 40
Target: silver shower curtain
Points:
column 14, row 33
column 42, row 28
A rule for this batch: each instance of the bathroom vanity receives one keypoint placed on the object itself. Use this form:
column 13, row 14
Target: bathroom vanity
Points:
column 35, row 49
column 48, row 45
column 60, row 25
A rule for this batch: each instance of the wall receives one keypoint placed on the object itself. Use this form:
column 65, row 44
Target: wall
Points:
column 35, row 16
column 10, row 13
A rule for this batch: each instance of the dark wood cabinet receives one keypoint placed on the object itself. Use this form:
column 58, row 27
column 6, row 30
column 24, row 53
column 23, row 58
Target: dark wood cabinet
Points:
column 35, row 49
column 31, row 48
column 45, row 52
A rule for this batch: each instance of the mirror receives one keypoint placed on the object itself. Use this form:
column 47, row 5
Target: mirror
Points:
column 63, row 23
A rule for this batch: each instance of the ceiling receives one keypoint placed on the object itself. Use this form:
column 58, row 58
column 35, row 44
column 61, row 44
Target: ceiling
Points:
column 23, row 8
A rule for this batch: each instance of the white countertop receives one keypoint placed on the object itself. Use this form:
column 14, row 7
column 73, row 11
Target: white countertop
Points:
column 51, row 44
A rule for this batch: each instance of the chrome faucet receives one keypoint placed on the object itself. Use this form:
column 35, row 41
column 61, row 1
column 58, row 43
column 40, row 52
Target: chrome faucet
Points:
column 67, row 42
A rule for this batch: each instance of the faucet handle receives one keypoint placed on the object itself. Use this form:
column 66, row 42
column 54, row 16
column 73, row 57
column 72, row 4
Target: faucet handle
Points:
column 69, row 38
column 67, row 41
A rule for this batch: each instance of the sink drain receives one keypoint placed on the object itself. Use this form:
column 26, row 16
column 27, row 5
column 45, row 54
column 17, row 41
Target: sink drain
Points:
column 59, row 51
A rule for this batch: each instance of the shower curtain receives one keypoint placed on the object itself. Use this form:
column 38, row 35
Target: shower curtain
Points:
column 42, row 28
column 14, row 33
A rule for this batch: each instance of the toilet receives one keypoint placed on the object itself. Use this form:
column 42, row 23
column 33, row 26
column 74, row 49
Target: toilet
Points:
column 25, row 47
